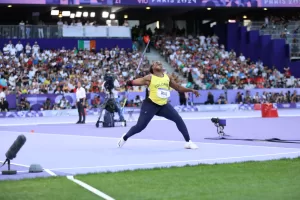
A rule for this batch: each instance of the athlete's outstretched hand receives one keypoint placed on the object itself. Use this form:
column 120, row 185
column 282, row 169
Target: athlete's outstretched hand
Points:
column 195, row 92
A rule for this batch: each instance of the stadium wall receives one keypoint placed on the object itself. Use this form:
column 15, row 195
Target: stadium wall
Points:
column 37, row 100
column 95, row 111
column 70, row 43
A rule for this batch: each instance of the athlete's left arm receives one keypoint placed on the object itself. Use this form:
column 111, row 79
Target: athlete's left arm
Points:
column 179, row 88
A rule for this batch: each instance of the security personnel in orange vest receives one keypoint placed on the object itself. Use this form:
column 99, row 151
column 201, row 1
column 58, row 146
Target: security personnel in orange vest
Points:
column 146, row 39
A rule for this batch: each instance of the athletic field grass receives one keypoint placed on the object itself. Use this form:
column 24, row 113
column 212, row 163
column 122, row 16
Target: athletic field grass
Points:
column 268, row 180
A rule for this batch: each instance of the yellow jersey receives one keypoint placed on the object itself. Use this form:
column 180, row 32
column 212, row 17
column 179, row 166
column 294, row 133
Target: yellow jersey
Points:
column 159, row 89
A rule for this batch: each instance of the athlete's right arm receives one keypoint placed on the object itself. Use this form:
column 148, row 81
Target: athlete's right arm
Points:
column 140, row 81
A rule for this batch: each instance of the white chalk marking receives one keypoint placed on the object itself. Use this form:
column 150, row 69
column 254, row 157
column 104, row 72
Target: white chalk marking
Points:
column 143, row 140
column 50, row 172
column 90, row 188
column 155, row 119
column 176, row 162
column 22, row 171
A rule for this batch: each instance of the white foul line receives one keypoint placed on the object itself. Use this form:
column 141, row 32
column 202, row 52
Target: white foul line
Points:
column 90, row 188
column 145, row 140
column 176, row 162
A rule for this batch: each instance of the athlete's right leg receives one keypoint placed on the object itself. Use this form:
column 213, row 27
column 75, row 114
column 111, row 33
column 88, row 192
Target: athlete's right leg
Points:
column 148, row 110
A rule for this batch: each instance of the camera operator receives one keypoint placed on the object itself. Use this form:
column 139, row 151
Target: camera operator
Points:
column 111, row 92
column 3, row 102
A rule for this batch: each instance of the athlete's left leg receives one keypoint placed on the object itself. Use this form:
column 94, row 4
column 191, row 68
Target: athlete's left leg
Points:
column 168, row 112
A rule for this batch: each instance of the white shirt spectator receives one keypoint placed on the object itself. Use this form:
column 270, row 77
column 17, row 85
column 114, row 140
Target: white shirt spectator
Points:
column 12, row 80
column 63, row 103
column 80, row 94
column 19, row 47
column 215, row 39
column 28, row 49
column 5, row 50
column 266, row 20
column 13, row 51
column 36, row 90
column 2, row 95
column 35, row 48
column 9, row 46
column 242, row 58
column 208, row 40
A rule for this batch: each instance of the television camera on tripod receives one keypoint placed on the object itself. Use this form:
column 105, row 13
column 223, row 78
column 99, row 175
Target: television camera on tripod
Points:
column 111, row 104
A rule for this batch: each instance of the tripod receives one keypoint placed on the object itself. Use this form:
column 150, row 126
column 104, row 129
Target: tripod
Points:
column 110, row 105
column 220, row 130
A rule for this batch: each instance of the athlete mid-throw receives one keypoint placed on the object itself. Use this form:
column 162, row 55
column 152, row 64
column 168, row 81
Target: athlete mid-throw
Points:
column 159, row 85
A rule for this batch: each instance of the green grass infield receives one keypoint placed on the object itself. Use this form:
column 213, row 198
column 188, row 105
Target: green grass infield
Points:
column 267, row 180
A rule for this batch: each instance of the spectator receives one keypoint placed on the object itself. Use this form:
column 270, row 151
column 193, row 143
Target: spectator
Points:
column 210, row 99
column 212, row 67
column 63, row 103
column 138, row 101
column 182, row 98
column 96, row 102
column 222, row 99
column 239, row 98
column 3, row 102
column 24, row 104
column 47, row 105
column 294, row 97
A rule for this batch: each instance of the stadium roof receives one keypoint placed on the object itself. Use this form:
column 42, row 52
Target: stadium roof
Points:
column 17, row 12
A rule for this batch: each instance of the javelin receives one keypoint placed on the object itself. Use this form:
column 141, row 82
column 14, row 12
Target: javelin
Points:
column 136, row 71
column 142, row 57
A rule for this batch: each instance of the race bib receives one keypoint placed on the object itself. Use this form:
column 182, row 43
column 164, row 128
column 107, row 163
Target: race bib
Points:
column 163, row 93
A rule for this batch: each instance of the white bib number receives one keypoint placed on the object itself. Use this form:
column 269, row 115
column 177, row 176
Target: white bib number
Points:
column 162, row 93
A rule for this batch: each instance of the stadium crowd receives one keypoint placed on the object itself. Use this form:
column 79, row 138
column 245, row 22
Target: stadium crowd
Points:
column 202, row 60
column 30, row 70
column 207, row 65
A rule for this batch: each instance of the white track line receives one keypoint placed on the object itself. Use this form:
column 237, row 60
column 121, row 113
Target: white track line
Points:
column 90, row 188
column 144, row 140
column 50, row 172
column 176, row 162
column 155, row 119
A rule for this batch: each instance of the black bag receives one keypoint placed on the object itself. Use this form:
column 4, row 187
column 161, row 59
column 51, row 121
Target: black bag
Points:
column 110, row 105
column 108, row 119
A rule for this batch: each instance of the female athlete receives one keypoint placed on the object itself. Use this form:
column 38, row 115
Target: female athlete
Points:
column 159, row 85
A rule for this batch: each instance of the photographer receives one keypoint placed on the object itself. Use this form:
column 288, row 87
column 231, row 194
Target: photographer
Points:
column 111, row 87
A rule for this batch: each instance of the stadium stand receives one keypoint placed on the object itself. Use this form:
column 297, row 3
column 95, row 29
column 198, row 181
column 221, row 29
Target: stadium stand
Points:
column 207, row 65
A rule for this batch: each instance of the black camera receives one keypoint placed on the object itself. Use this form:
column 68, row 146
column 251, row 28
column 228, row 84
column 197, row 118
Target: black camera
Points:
column 109, row 82
column 215, row 120
column 220, row 124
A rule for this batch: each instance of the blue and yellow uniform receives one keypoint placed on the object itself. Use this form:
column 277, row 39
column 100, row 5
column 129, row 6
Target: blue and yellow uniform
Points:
column 159, row 89
column 157, row 104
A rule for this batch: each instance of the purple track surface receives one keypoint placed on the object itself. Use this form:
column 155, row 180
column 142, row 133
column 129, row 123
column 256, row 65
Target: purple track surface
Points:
column 64, row 148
